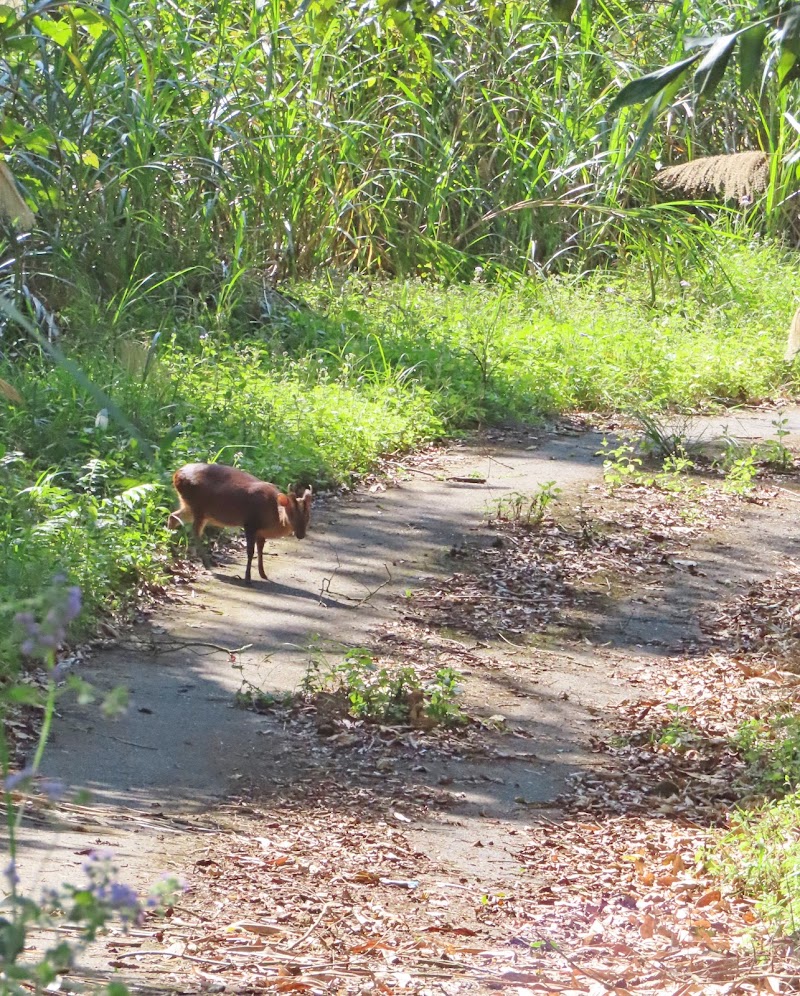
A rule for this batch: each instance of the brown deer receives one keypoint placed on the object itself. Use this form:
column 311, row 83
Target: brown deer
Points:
column 224, row 496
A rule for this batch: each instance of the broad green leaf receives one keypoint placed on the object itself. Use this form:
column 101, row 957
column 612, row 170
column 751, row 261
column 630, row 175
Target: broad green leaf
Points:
column 787, row 67
column 7, row 15
column 750, row 49
column 40, row 140
column 90, row 20
column 59, row 31
column 712, row 68
column 648, row 86
column 404, row 22
column 10, row 131
column 789, row 39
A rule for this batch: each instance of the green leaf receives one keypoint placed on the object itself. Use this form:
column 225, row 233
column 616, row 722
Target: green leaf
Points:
column 750, row 49
column 786, row 66
column 404, row 22
column 59, row 31
column 12, row 940
column 712, row 68
column 789, row 40
column 10, row 131
column 84, row 692
column 40, row 140
column 115, row 703
column 24, row 695
column 648, row 86
column 94, row 24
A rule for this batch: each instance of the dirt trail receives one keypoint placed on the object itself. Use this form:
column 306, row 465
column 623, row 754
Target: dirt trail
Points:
column 160, row 776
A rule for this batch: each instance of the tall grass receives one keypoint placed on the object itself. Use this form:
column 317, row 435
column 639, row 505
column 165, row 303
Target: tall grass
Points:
column 209, row 139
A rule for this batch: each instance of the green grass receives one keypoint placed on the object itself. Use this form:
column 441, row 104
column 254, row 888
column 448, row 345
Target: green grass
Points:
column 760, row 855
column 538, row 347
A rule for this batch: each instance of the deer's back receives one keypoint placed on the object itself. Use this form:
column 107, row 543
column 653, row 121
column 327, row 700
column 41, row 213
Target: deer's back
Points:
column 227, row 495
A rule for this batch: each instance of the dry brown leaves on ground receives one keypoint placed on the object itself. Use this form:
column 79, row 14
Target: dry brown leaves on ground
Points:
column 327, row 894
column 524, row 578
column 332, row 890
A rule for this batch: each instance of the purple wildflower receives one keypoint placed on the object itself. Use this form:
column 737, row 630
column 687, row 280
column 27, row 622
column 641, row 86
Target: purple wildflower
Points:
column 17, row 778
column 122, row 895
column 10, row 872
column 72, row 603
column 100, row 856
column 53, row 788
column 42, row 638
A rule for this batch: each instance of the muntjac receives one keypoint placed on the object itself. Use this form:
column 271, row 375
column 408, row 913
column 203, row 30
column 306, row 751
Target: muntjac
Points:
column 225, row 496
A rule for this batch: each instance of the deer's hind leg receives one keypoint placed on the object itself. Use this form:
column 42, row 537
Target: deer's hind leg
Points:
column 260, row 546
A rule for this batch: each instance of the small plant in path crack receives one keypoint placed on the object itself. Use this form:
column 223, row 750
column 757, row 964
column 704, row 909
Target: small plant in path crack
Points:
column 368, row 690
column 526, row 510
column 621, row 466
column 256, row 699
column 741, row 475
column 776, row 452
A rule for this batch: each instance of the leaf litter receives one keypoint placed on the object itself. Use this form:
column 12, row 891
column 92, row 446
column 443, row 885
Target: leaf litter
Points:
column 326, row 888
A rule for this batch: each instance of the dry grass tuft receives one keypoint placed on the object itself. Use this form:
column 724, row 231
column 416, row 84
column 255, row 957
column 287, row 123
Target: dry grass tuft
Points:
column 738, row 177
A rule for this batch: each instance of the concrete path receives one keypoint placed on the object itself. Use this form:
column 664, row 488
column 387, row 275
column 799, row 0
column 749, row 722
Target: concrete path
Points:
column 158, row 772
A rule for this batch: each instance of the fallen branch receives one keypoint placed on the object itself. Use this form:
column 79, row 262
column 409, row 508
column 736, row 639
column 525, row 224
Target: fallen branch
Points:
column 325, row 589
column 161, row 647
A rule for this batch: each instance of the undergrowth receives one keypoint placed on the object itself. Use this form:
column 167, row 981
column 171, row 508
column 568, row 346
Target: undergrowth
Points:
column 360, row 687
column 760, row 858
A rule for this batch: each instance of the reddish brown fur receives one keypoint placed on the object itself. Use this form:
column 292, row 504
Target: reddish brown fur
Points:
column 225, row 496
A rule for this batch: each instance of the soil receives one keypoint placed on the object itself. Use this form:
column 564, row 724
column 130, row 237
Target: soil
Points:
column 325, row 854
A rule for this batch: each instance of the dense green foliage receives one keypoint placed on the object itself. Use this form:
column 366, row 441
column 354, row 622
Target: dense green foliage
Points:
column 196, row 141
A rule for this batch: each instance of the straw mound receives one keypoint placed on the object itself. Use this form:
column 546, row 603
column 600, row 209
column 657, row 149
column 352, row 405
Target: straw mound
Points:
column 737, row 177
